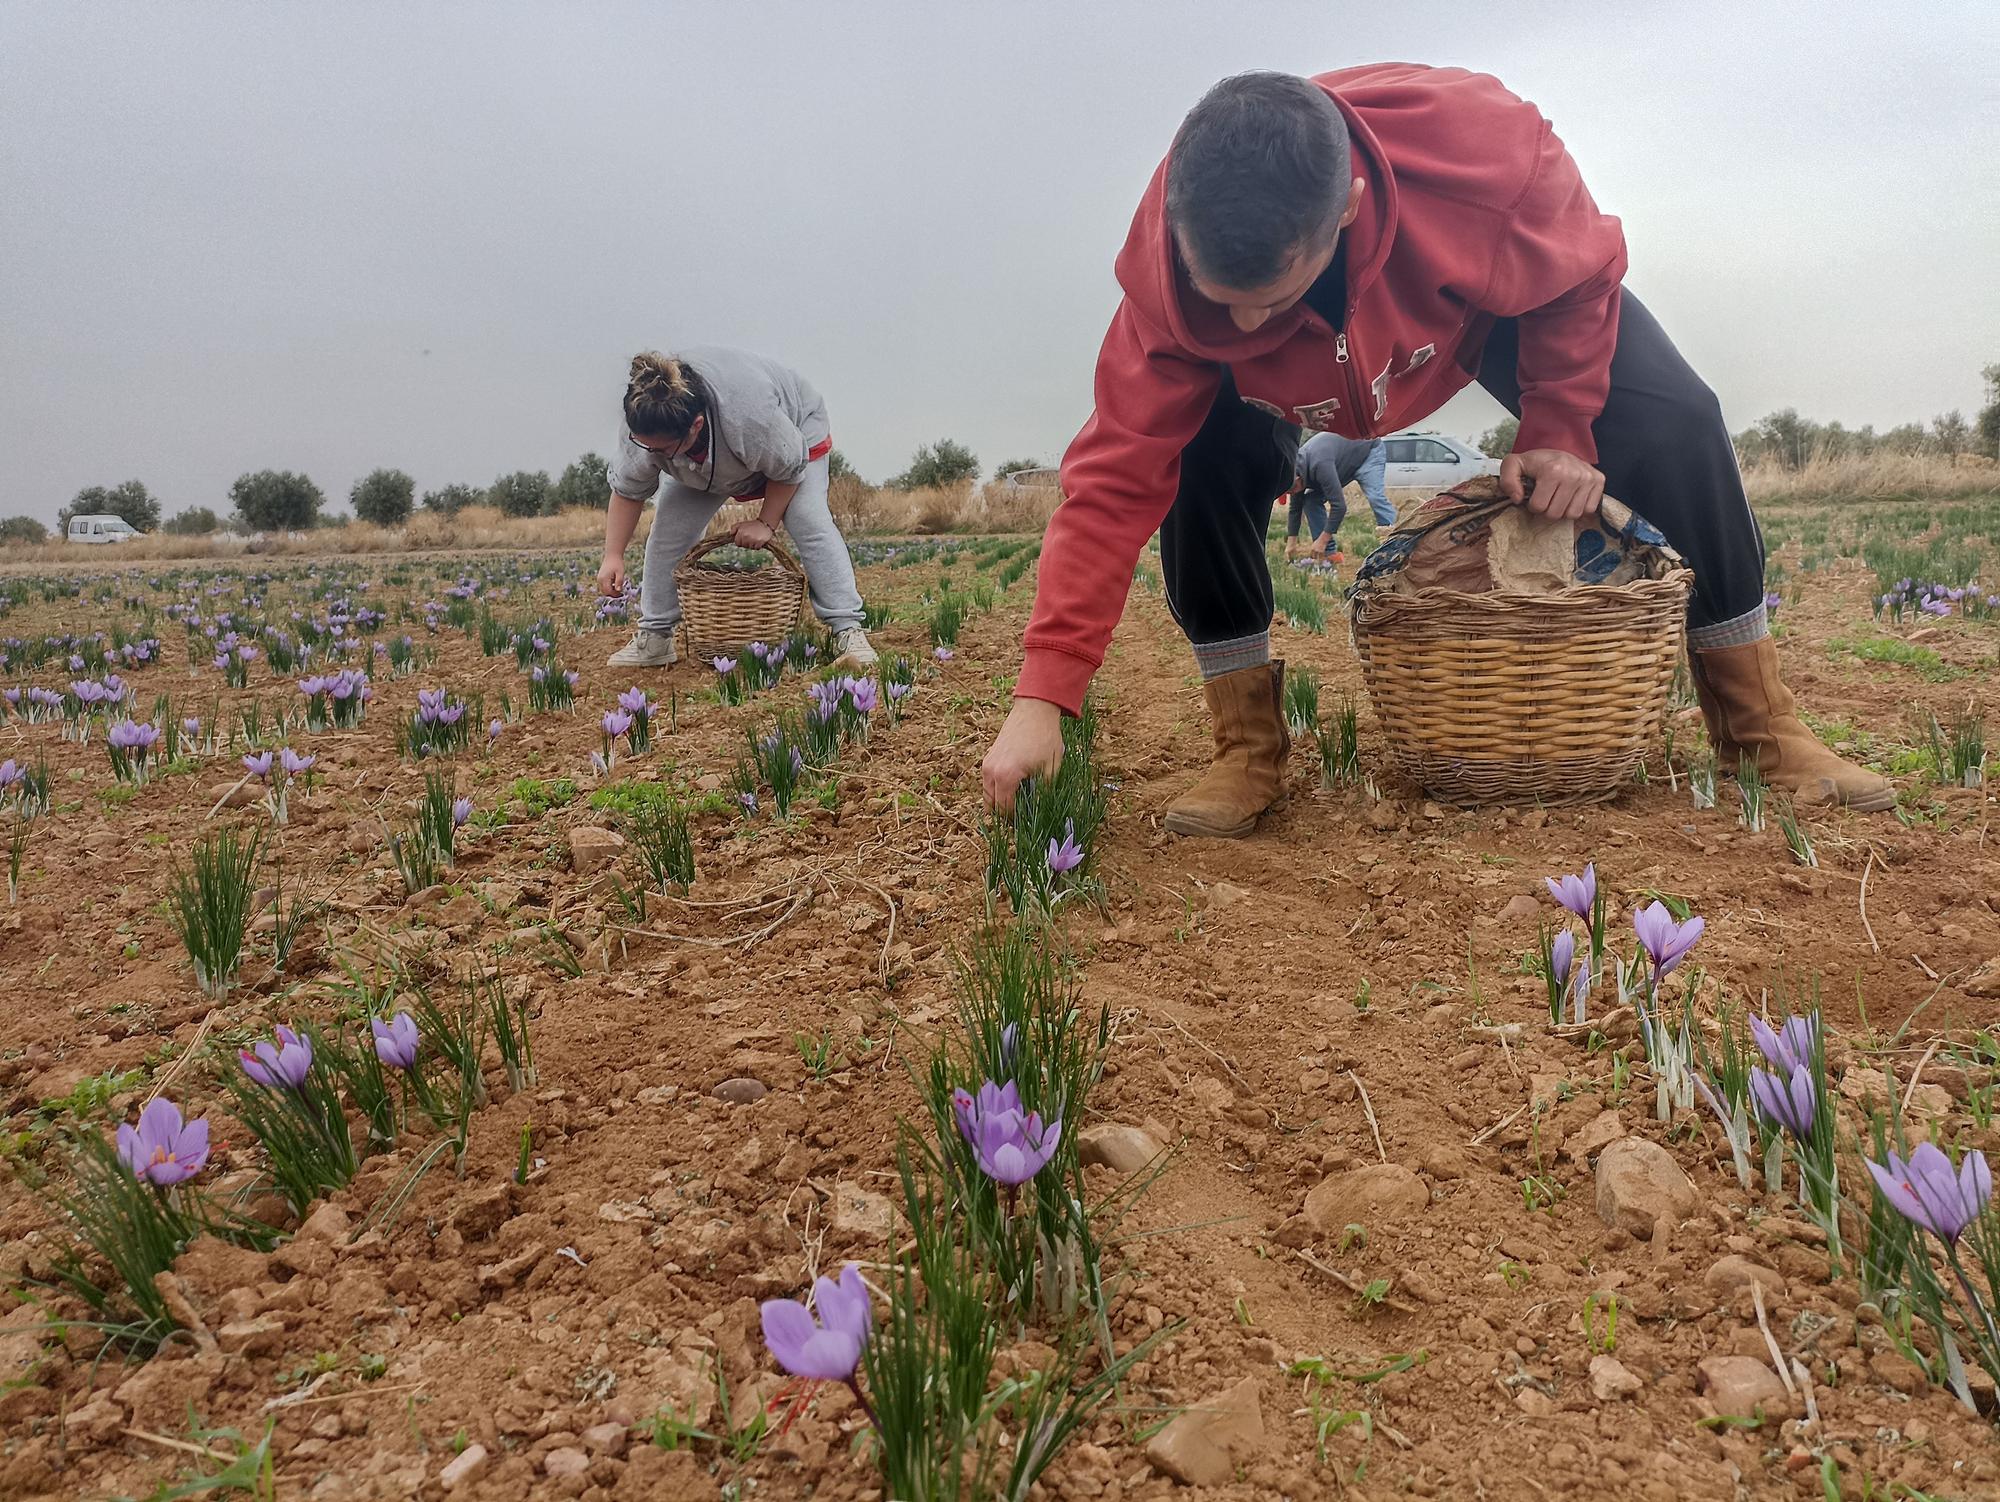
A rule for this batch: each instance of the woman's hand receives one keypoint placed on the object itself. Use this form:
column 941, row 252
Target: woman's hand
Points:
column 753, row 534
column 611, row 576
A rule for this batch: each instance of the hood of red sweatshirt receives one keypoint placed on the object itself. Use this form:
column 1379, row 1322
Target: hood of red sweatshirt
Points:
column 1155, row 280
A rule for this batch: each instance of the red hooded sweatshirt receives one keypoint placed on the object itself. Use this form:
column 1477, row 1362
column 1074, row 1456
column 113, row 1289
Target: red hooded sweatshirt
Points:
column 1473, row 211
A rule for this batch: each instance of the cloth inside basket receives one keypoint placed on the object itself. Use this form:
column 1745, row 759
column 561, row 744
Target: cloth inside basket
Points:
column 1474, row 540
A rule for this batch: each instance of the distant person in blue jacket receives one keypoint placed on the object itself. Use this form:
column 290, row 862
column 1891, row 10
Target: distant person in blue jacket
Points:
column 1327, row 464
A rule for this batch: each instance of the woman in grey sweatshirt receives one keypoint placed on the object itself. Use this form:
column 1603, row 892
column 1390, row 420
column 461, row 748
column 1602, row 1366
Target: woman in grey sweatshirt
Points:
column 719, row 425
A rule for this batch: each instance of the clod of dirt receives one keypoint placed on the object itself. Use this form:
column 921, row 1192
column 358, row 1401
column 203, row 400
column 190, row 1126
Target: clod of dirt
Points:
column 593, row 849
column 1738, row 1386
column 1118, row 1147
column 1370, row 1196
column 467, row 1466
column 564, row 1460
column 97, row 1422
column 1734, row 1274
column 1611, row 1380
column 1520, row 909
column 606, row 1439
column 1640, row 1184
column 1596, row 1134
column 329, row 1223
column 251, row 1337
column 1985, row 981
column 1201, row 1445
column 741, row 1091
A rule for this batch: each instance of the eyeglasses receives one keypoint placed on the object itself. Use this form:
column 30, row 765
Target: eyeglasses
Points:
column 670, row 450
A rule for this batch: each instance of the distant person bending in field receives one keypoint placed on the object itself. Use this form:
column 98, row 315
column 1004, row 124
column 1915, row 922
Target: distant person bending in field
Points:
column 1327, row 465
column 721, row 425
column 1343, row 254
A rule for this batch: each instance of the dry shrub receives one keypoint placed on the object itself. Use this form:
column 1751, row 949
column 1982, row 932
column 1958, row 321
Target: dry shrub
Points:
column 474, row 527
column 1874, row 477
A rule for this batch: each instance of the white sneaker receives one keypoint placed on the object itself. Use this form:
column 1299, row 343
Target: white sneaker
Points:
column 853, row 649
column 646, row 649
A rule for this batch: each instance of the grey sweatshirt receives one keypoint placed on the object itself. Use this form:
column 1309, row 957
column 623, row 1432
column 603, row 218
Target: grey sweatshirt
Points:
column 1327, row 462
column 764, row 420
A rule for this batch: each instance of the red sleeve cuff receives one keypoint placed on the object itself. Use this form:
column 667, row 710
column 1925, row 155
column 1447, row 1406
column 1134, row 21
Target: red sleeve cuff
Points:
column 1545, row 426
column 1061, row 678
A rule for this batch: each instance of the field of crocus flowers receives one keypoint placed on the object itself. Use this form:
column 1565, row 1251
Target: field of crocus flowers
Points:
column 438, row 1064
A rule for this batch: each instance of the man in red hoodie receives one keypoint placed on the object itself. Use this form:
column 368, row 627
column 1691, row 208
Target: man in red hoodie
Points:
column 1341, row 254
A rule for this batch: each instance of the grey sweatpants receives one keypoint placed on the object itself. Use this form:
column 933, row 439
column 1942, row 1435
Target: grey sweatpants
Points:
column 682, row 514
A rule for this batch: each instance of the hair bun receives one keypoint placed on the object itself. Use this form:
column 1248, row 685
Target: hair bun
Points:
column 654, row 373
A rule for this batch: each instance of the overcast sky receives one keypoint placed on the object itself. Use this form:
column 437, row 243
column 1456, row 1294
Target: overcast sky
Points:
column 331, row 237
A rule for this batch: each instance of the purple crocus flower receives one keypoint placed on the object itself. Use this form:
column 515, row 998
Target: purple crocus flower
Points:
column 897, row 692
column 461, row 810
column 12, row 774
column 992, row 1100
column 132, row 735
column 292, row 762
column 943, row 654
column 493, row 731
column 1576, row 894
column 616, row 723
column 633, row 701
column 1011, row 1148
column 1927, row 1192
column 1065, row 854
column 1788, row 1047
column 572, row 677
column 723, row 664
column 826, row 1348
column 1664, row 940
column 191, row 728
column 863, row 694
column 1792, row 1103
column 749, row 802
column 284, row 1066
column 162, row 1150
column 258, row 764
column 1562, row 955
column 1010, row 1045
column 395, row 1040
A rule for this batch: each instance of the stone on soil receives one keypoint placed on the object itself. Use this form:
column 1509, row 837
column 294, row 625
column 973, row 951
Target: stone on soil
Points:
column 1611, row 1380
column 1200, row 1446
column 1122, row 1149
column 1521, row 908
column 593, row 849
column 1370, row 1196
column 1738, row 1386
column 741, row 1091
column 862, row 1212
column 464, row 1467
column 1639, row 1184
column 565, row 1460
column 1734, row 1274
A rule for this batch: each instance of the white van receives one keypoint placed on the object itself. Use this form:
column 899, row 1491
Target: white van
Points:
column 100, row 529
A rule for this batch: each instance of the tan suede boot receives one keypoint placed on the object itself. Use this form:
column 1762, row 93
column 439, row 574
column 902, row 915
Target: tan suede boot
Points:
column 1251, row 743
column 1752, row 715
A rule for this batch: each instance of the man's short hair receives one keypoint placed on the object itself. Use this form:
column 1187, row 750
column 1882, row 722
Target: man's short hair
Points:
column 1260, row 166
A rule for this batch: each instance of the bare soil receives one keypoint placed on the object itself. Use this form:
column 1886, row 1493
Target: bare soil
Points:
column 1342, row 990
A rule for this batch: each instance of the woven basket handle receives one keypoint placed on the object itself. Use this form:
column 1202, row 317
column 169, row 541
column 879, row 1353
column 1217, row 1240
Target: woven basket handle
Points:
column 723, row 540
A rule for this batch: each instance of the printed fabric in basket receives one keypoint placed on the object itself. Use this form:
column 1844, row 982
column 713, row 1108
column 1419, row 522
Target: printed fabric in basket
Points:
column 1474, row 540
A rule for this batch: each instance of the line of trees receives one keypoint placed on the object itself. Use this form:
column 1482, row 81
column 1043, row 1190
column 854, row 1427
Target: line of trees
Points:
column 279, row 500
column 282, row 500
column 1791, row 441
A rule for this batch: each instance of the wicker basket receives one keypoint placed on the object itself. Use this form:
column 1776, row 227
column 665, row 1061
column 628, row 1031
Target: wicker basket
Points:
column 723, row 610
column 1509, row 697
